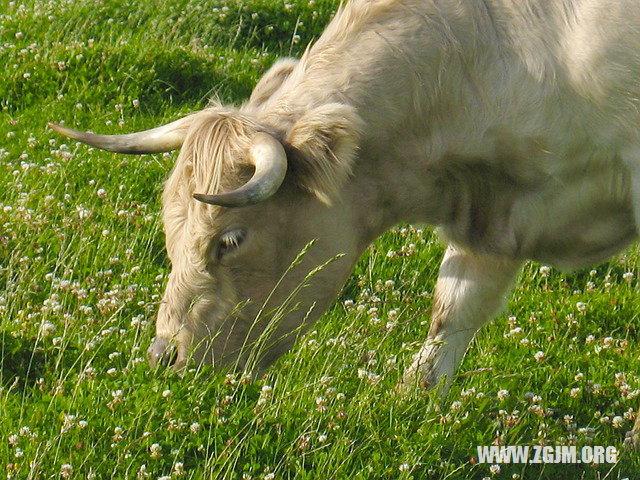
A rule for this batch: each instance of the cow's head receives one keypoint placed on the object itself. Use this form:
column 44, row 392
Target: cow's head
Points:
column 244, row 198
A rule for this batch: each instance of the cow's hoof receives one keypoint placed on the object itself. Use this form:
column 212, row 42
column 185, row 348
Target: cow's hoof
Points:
column 632, row 441
column 405, row 389
column 161, row 352
column 417, row 382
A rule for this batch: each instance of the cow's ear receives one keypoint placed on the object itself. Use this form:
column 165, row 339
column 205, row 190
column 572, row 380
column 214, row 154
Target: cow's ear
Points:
column 324, row 143
column 272, row 80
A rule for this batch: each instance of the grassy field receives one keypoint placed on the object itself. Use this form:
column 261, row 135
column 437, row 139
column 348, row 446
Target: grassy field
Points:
column 83, row 266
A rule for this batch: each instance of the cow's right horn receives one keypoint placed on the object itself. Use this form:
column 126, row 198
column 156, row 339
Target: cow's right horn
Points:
column 270, row 160
column 156, row 140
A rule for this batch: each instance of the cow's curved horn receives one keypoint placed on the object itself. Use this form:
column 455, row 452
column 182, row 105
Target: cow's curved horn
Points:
column 157, row 140
column 270, row 160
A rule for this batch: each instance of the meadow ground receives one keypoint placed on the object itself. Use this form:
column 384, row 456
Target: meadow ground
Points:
column 83, row 266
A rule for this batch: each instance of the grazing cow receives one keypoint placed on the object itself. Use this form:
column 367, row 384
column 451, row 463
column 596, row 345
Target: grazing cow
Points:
column 513, row 126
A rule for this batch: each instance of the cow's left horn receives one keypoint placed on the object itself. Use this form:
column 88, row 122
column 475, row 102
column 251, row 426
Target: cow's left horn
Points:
column 156, row 140
column 270, row 161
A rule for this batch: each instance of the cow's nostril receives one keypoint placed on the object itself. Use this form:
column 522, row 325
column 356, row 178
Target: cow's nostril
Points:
column 161, row 352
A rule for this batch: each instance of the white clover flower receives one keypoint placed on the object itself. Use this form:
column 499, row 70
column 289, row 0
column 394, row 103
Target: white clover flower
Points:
column 322, row 438
column 628, row 277
column 575, row 392
column 112, row 371
column 544, row 271
column 502, row 394
column 321, row 404
column 539, row 356
column 178, row 469
column 102, row 193
column 404, row 467
column 47, row 329
column 581, row 306
column 373, row 378
column 468, row 393
column 515, row 331
column 167, row 394
column 66, row 470
column 156, row 450
column 142, row 472
column 194, row 427
column 266, row 389
column 617, row 422
column 82, row 212
column 13, row 440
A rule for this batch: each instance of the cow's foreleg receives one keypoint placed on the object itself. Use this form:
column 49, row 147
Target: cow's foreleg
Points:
column 470, row 289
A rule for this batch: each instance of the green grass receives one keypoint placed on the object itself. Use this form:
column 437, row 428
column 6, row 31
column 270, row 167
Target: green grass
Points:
column 82, row 268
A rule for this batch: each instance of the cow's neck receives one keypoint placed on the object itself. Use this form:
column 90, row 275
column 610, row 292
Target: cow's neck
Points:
column 388, row 187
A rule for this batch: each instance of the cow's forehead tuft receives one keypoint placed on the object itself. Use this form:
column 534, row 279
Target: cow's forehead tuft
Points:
column 214, row 152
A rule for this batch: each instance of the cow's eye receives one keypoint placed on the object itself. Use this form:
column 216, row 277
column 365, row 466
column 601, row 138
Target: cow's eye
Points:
column 229, row 241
